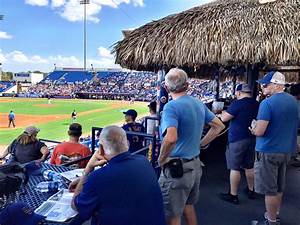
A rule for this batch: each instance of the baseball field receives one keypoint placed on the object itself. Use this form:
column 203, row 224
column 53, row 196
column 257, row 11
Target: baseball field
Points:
column 53, row 119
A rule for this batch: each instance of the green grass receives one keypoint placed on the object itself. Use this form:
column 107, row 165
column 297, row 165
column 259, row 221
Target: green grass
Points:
column 57, row 130
column 28, row 106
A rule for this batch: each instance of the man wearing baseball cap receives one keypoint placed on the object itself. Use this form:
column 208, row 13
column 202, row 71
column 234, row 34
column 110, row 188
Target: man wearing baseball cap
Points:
column 135, row 142
column 276, row 132
column 240, row 154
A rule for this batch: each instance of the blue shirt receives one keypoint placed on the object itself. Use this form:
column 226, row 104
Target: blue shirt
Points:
column 188, row 115
column 243, row 111
column 124, row 192
column 11, row 116
column 281, row 134
column 135, row 142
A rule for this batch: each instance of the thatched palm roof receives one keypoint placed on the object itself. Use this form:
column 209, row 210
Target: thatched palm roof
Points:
column 224, row 32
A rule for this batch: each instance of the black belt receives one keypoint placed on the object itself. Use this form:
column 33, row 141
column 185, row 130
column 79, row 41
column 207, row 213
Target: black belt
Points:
column 189, row 160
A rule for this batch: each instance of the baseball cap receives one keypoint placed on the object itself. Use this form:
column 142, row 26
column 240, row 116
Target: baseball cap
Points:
column 20, row 213
column 131, row 112
column 272, row 77
column 31, row 130
column 243, row 88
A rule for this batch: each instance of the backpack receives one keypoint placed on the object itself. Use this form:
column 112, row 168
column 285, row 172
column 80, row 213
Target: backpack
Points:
column 12, row 176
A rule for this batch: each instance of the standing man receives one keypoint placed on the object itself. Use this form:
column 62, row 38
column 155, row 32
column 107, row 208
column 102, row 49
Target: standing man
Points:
column 124, row 191
column 11, row 119
column 150, row 123
column 74, row 116
column 241, row 148
column 276, row 132
column 183, row 120
column 135, row 142
column 49, row 99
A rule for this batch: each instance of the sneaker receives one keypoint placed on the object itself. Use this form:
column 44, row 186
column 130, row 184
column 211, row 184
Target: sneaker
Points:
column 249, row 193
column 230, row 198
column 277, row 217
column 264, row 222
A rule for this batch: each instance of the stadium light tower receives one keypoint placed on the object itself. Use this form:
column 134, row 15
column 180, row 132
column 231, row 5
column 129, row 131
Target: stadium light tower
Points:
column 1, row 18
column 84, row 3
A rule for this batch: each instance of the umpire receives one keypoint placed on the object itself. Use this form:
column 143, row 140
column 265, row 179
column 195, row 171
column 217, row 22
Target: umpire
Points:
column 183, row 119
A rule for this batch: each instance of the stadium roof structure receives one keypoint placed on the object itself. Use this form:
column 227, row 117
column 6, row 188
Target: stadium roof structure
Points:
column 224, row 32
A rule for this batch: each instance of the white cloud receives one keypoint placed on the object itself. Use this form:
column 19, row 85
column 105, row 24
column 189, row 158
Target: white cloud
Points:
column 104, row 53
column 2, row 57
column 18, row 57
column 57, row 3
column 71, row 10
column 138, row 2
column 17, row 61
column 4, row 35
column 37, row 2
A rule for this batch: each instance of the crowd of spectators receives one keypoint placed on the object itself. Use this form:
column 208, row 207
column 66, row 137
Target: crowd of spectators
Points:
column 6, row 84
column 139, row 86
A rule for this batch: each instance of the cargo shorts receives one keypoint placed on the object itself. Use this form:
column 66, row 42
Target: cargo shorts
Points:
column 270, row 173
column 179, row 192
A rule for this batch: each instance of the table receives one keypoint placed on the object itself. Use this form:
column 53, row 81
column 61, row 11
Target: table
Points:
column 34, row 198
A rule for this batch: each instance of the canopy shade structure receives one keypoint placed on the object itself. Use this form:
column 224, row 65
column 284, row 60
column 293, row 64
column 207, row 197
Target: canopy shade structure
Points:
column 225, row 32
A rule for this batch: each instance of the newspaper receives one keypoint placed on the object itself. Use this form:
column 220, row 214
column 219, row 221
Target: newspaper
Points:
column 58, row 207
column 72, row 175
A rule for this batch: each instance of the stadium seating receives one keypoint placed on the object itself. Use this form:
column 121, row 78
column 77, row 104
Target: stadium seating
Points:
column 117, row 85
column 5, row 85
column 55, row 75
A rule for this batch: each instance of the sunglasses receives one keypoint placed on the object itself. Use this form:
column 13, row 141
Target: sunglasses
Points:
column 264, row 85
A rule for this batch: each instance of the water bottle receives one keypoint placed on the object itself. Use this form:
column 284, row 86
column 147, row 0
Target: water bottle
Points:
column 48, row 186
column 50, row 175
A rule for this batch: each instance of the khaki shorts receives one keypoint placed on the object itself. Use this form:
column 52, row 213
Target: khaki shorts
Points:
column 179, row 192
column 270, row 173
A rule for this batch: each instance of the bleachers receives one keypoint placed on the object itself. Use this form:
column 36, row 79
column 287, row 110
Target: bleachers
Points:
column 5, row 85
column 118, row 85
column 76, row 76
column 55, row 75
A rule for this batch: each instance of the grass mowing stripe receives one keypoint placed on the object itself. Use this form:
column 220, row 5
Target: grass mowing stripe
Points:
column 58, row 107
column 57, row 130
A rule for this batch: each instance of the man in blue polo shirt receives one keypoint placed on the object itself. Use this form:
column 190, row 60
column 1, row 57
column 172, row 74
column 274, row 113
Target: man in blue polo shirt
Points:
column 241, row 148
column 124, row 191
column 183, row 120
column 276, row 132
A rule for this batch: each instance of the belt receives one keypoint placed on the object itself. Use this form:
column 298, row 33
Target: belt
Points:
column 189, row 160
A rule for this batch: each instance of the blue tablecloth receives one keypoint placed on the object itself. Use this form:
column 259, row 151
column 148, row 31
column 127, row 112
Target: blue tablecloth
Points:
column 34, row 198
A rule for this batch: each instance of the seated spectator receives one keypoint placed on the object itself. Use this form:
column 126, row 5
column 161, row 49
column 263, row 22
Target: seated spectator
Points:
column 123, row 192
column 27, row 147
column 135, row 142
column 71, row 150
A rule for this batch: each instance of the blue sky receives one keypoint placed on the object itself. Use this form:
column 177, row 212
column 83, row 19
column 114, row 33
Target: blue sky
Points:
column 36, row 34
